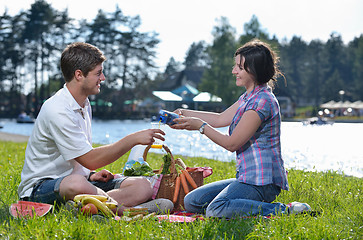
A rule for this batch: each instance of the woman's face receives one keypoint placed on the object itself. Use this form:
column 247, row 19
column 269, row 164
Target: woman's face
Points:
column 243, row 78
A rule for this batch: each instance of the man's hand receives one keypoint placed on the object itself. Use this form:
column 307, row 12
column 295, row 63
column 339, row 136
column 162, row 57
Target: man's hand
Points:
column 102, row 176
column 146, row 137
column 101, row 156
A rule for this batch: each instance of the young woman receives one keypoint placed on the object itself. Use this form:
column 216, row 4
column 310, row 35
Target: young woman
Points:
column 254, row 134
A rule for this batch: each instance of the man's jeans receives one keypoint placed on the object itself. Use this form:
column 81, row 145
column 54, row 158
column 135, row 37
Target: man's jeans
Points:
column 47, row 190
column 230, row 198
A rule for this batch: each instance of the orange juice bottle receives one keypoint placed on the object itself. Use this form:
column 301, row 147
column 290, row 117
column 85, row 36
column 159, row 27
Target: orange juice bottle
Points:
column 158, row 144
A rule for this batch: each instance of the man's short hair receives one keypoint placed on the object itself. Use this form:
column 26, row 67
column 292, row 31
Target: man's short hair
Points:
column 80, row 56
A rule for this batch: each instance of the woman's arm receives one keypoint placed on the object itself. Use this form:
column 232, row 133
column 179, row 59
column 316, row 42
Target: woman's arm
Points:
column 245, row 129
column 216, row 120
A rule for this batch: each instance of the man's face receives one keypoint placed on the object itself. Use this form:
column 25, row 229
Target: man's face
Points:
column 92, row 83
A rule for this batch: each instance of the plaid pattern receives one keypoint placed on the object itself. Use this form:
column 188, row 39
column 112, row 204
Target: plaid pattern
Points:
column 259, row 161
column 155, row 183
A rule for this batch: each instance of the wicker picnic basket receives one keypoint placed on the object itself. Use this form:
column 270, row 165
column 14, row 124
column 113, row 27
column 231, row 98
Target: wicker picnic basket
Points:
column 167, row 184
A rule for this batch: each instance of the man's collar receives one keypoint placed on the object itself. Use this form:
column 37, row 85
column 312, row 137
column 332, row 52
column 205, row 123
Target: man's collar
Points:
column 73, row 102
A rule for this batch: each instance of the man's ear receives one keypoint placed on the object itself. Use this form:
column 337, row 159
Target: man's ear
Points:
column 78, row 75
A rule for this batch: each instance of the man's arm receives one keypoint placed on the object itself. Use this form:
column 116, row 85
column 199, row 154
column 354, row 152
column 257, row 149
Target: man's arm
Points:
column 104, row 155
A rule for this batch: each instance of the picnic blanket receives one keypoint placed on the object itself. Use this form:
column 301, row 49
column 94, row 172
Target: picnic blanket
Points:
column 181, row 216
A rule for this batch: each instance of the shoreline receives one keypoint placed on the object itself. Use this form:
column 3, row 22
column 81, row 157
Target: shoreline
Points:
column 10, row 137
column 333, row 120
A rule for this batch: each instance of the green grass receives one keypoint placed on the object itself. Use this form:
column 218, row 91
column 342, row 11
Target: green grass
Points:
column 337, row 197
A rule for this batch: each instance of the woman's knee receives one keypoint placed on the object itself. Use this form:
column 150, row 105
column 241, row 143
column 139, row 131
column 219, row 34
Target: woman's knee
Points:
column 193, row 202
column 189, row 202
column 215, row 208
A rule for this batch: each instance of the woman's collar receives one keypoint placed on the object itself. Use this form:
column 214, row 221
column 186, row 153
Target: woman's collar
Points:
column 255, row 90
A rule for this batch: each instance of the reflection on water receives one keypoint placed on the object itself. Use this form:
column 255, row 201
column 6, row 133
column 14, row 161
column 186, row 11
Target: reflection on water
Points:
column 315, row 148
column 187, row 143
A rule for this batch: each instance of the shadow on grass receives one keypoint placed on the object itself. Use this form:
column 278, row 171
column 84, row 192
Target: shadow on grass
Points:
column 238, row 228
column 4, row 214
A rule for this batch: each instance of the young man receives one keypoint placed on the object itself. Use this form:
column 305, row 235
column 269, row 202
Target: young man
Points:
column 60, row 159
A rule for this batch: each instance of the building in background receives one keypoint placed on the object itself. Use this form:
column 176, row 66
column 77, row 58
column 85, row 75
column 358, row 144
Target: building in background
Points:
column 180, row 90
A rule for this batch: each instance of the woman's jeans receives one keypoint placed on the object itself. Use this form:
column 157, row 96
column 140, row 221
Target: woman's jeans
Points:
column 230, row 198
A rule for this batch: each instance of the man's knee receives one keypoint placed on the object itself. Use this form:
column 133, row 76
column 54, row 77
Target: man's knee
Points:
column 72, row 185
column 139, row 186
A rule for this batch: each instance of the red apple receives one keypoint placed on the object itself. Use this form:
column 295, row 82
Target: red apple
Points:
column 89, row 209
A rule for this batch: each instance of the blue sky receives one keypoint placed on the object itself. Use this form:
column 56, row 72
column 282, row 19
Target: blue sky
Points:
column 180, row 23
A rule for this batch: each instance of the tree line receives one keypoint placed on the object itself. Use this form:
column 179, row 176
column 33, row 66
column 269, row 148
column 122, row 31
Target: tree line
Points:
column 314, row 72
column 31, row 43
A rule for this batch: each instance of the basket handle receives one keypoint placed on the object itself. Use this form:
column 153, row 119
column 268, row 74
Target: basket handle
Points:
column 172, row 165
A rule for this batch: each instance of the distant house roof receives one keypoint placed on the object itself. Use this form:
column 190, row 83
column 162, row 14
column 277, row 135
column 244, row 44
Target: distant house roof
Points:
column 194, row 75
column 187, row 92
column 191, row 76
column 167, row 96
column 206, row 97
column 186, row 88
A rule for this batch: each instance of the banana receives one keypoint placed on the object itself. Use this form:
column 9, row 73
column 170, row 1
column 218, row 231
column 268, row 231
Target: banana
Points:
column 111, row 205
column 100, row 205
column 79, row 197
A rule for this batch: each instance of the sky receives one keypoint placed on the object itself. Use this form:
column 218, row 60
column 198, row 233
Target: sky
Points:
column 179, row 23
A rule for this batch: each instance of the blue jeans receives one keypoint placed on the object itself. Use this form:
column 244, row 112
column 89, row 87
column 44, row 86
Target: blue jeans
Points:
column 230, row 198
column 47, row 190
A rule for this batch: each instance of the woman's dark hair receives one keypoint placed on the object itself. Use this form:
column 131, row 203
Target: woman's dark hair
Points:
column 260, row 61
column 80, row 56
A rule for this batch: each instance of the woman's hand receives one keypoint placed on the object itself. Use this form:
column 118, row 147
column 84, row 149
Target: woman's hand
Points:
column 179, row 111
column 188, row 123
column 101, row 176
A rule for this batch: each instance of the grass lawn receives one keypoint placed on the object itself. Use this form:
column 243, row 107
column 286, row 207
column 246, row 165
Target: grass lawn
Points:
column 337, row 197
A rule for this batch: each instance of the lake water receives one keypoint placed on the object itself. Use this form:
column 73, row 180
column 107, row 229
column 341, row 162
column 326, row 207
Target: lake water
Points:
column 335, row 147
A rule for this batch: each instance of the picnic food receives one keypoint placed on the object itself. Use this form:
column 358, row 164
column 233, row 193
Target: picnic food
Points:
column 79, row 197
column 139, row 169
column 89, row 209
column 166, row 165
column 110, row 205
column 158, row 146
column 100, row 206
column 131, row 212
column 184, row 183
column 176, row 190
column 167, row 117
column 170, row 177
column 25, row 209
column 84, row 199
column 189, row 178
